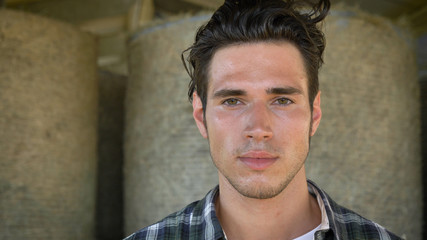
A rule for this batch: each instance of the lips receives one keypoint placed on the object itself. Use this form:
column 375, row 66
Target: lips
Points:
column 258, row 160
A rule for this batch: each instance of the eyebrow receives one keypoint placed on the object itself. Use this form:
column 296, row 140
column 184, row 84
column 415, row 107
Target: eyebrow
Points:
column 284, row 91
column 229, row 92
column 274, row 91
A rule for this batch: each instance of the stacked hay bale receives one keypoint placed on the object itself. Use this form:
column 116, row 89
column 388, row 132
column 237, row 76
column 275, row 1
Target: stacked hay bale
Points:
column 48, row 123
column 366, row 153
column 167, row 164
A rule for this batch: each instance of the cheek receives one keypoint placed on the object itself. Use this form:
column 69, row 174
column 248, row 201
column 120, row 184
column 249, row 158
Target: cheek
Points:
column 223, row 131
column 292, row 125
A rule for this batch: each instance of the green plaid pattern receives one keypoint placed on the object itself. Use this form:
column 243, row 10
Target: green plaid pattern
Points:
column 198, row 221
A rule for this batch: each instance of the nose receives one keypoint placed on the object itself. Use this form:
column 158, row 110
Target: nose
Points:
column 258, row 123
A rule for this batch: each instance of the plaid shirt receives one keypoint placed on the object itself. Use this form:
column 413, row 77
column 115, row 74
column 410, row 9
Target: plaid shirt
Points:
column 198, row 221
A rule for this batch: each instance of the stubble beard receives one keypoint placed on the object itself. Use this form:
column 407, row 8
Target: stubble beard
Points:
column 263, row 192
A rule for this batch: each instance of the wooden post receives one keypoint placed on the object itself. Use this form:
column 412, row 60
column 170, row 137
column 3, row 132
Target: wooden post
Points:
column 140, row 13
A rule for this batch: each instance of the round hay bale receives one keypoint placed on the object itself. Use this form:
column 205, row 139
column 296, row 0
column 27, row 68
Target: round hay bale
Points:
column 167, row 163
column 366, row 153
column 48, row 123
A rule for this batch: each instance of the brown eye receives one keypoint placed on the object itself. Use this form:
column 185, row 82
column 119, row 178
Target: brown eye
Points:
column 231, row 101
column 284, row 101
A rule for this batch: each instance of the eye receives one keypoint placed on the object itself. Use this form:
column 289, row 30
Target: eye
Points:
column 231, row 102
column 284, row 101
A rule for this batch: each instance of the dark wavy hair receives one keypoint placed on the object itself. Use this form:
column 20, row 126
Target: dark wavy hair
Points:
column 246, row 21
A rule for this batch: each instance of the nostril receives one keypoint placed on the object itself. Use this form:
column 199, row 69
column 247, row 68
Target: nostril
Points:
column 259, row 135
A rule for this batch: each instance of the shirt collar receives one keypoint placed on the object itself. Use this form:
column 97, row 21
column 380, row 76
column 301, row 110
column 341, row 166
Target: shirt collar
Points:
column 330, row 207
column 213, row 229
column 324, row 225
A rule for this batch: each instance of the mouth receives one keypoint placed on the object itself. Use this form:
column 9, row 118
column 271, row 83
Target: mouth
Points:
column 258, row 160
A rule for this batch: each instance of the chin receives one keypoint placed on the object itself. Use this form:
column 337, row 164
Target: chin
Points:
column 257, row 190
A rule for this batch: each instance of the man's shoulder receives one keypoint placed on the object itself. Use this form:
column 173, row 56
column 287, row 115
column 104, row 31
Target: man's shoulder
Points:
column 195, row 221
column 347, row 224
column 351, row 225
column 174, row 226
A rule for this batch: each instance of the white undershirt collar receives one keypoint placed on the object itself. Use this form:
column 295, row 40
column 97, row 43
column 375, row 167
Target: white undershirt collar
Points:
column 324, row 224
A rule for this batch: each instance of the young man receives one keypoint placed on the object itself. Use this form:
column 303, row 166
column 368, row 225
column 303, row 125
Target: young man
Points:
column 254, row 88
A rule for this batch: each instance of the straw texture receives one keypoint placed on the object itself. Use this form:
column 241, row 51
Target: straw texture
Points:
column 366, row 153
column 48, row 118
column 167, row 164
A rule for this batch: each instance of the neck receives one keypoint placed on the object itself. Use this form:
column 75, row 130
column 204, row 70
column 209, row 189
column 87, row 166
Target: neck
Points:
column 290, row 214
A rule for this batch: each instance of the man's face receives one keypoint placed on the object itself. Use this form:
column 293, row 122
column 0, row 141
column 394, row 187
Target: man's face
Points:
column 258, row 117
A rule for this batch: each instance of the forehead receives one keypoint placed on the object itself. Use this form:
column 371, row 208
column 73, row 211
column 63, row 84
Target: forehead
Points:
column 261, row 65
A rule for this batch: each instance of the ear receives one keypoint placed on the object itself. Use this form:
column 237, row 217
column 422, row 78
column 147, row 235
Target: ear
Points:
column 198, row 115
column 316, row 114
